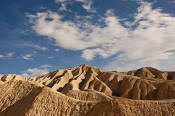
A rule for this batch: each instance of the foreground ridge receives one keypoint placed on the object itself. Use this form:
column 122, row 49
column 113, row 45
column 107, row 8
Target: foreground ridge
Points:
column 89, row 91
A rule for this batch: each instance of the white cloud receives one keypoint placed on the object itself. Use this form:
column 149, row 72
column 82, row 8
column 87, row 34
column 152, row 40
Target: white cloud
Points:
column 50, row 57
column 87, row 5
column 29, row 56
column 36, row 46
column 63, row 4
column 145, row 41
column 35, row 72
column 45, row 66
column 149, row 42
column 8, row 55
column 2, row 56
column 57, row 50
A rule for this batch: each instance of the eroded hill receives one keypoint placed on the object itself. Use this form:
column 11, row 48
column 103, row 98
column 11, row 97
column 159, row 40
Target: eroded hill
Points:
column 89, row 91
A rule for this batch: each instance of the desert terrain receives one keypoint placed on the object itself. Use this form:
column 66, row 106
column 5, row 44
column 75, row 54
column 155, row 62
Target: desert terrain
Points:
column 89, row 91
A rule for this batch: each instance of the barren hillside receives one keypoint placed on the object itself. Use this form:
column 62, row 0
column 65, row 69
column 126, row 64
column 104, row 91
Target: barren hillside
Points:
column 89, row 91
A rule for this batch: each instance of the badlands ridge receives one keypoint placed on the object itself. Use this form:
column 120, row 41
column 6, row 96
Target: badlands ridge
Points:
column 89, row 91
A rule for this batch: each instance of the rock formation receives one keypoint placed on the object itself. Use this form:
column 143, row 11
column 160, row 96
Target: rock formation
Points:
column 89, row 91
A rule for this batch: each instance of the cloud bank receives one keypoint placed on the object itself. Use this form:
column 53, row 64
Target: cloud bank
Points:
column 149, row 40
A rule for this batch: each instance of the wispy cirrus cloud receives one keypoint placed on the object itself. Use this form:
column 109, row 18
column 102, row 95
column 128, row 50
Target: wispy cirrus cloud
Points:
column 29, row 56
column 50, row 57
column 8, row 55
column 147, row 40
column 32, row 45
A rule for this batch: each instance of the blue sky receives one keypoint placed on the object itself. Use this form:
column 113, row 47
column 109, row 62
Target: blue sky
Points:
column 38, row 36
